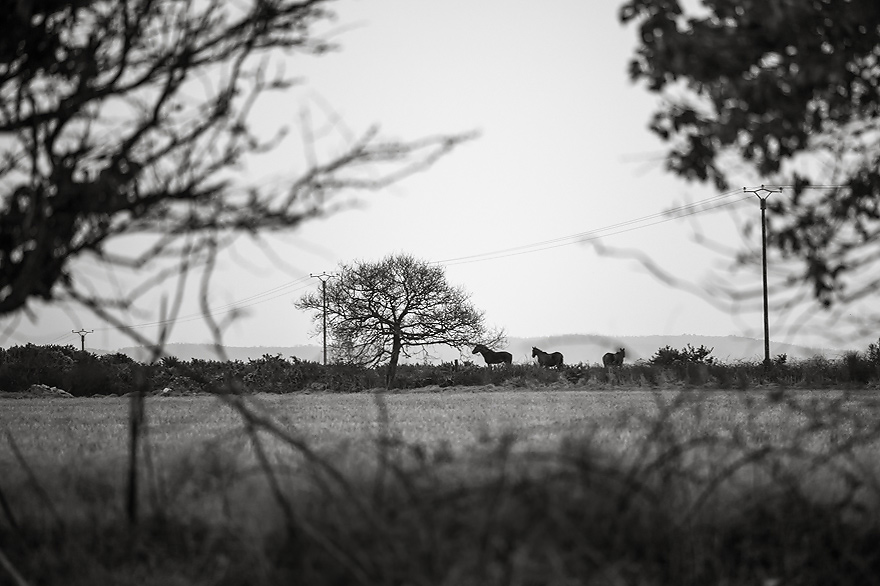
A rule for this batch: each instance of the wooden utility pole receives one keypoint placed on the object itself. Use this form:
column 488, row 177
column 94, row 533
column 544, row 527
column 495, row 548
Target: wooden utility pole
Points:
column 82, row 337
column 762, row 194
column 324, row 277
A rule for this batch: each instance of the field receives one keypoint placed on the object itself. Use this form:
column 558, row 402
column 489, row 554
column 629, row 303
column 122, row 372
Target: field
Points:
column 324, row 417
column 476, row 485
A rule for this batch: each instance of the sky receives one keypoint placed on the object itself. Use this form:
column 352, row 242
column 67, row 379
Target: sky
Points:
column 563, row 149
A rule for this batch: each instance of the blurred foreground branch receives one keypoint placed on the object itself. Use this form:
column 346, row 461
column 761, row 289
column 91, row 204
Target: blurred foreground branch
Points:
column 133, row 122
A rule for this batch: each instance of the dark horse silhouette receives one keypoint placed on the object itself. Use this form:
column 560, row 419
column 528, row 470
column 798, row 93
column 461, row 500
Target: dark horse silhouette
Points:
column 491, row 357
column 546, row 358
column 615, row 359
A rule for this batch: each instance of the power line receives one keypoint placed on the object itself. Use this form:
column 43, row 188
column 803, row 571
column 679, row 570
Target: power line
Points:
column 226, row 308
column 57, row 339
column 580, row 237
column 221, row 310
column 668, row 215
column 610, row 230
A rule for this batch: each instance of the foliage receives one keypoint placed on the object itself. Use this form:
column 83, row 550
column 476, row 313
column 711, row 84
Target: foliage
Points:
column 668, row 356
column 89, row 377
column 859, row 368
column 271, row 374
column 23, row 366
column 378, row 311
column 873, row 356
column 85, row 374
column 790, row 90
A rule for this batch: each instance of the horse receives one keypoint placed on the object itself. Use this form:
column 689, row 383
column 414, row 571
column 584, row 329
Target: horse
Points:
column 491, row 357
column 546, row 358
column 615, row 359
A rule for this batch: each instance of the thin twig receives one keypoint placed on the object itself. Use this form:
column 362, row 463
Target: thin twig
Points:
column 17, row 578
column 7, row 510
column 135, row 417
column 41, row 492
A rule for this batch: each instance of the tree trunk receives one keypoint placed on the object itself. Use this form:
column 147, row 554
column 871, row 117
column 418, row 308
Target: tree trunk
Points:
column 391, row 373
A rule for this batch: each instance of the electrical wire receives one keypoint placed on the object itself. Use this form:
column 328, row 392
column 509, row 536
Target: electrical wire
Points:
column 597, row 236
column 226, row 308
column 578, row 238
column 610, row 230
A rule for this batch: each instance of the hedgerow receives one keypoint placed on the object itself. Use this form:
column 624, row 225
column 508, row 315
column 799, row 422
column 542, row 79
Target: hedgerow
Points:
column 85, row 374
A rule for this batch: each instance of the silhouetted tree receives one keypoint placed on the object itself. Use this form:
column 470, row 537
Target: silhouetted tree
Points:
column 134, row 117
column 787, row 91
column 380, row 310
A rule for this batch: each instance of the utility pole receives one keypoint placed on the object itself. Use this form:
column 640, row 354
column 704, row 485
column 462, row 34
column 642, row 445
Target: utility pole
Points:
column 762, row 193
column 82, row 337
column 324, row 277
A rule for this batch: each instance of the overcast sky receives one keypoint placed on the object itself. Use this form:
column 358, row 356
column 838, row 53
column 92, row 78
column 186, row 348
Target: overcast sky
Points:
column 563, row 150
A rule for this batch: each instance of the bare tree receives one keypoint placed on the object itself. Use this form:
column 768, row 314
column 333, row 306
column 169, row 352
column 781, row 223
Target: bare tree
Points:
column 379, row 310
column 134, row 117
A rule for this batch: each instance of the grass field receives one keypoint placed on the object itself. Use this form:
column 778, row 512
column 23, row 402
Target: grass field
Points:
column 477, row 486
column 55, row 432
column 51, row 431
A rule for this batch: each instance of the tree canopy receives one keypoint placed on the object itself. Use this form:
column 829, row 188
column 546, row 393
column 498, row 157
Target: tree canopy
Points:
column 786, row 92
column 134, row 117
column 377, row 311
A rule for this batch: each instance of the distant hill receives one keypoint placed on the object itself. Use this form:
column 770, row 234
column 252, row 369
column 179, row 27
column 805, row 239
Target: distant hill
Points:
column 587, row 348
column 591, row 348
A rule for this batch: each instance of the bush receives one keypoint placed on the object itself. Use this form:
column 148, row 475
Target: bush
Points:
column 647, row 374
column 23, row 366
column 859, row 368
column 668, row 356
column 349, row 378
column 89, row 377
column 468, row 374
column 818, row 371
column 578, row 373
column 724, row 374
column 82, row 373
column 873, row 357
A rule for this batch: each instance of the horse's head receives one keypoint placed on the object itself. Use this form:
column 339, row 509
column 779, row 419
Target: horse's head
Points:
column 478, row 348
column 622, row 352
column 535, row 351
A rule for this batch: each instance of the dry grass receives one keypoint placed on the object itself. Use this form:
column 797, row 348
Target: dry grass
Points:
column 54, row 431
column 455, row 486
column 58, row 435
